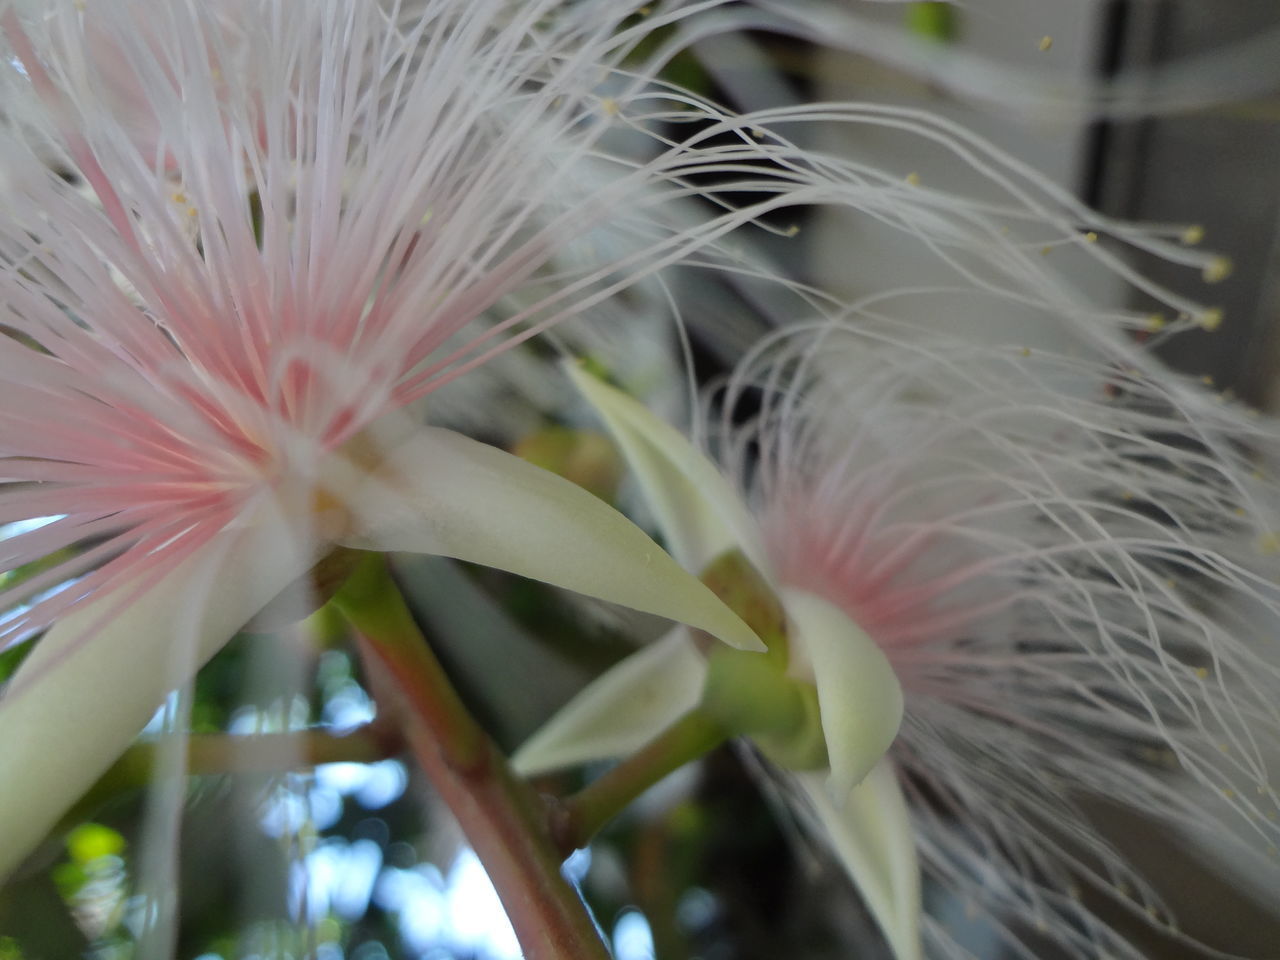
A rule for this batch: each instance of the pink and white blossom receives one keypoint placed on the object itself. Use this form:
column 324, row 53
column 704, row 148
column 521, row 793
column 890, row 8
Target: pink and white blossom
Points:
column 238, row 241
column 1067, row 562
column 1071, row 567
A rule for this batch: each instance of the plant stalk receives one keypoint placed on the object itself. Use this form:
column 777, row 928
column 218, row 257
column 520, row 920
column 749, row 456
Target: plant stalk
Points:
column 505, row 822
column 578, row 818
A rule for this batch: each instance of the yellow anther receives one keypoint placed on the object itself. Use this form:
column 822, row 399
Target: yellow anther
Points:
column 178, row 197
column 1046, row 250
column 1202, row 673
column 1211, row 319
column 1045, row 43
column 1217, row 269
column 1091, row 237
column 1026, row 351
column 793, row 230
column 758, row 133
column 1155, row 322
column 1207, row 380
column 645, row 11
column 1240, row 511
column 1127, row 495
column 913, row 179
column 1269, row 544
column 192, row 212
column 1228, row 793
column 1193, row 234
column 610, row 107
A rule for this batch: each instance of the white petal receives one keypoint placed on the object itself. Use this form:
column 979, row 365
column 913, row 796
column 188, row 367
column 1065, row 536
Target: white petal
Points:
column 442, row 493
column 699, row 512
column 871, row 834
column 622, row 710
column 90, row 684
column 858, row 692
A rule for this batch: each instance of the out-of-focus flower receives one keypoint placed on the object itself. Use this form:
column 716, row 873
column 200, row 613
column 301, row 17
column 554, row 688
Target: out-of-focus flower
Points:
column 290, row 216
column 1068, row 563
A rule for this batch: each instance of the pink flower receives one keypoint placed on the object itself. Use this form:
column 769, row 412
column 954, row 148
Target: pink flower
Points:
column 291, row 214
column 1057, row 571
column 1070, row 565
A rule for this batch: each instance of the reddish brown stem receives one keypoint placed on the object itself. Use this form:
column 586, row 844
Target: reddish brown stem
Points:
column 503, row 819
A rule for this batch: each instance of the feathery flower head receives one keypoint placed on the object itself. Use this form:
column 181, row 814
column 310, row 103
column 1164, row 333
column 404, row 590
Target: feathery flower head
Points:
column 263, row 231
column 1068, row 566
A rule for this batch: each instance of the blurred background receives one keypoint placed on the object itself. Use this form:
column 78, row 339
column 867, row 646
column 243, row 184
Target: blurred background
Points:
column 356, row 859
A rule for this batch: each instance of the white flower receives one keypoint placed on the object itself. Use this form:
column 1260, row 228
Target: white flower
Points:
column 292, row 212
column 1066, row 565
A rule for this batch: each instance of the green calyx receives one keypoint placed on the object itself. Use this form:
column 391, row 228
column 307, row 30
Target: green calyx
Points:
column 749, row 696
column 734, row 580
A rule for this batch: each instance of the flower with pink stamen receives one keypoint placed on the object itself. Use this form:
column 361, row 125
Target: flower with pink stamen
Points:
column 264, row 227
column 1070, row 566
column 1044, row 582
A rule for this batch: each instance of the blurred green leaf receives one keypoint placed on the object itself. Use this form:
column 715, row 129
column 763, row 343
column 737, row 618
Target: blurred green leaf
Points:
column 69, row 878
column 12, row 658
column 92, row 841
column 936, row 21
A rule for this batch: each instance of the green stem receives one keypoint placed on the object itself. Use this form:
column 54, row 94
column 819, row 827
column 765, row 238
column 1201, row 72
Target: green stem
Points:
column 504, row 821
column 578, row 818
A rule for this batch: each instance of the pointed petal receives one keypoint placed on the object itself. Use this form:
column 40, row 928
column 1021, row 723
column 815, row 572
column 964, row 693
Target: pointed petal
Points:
column 95, row 679
column 442, row 493
column 871, row 834
column 858, row 692
column 699, row 512
column 622, row 710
